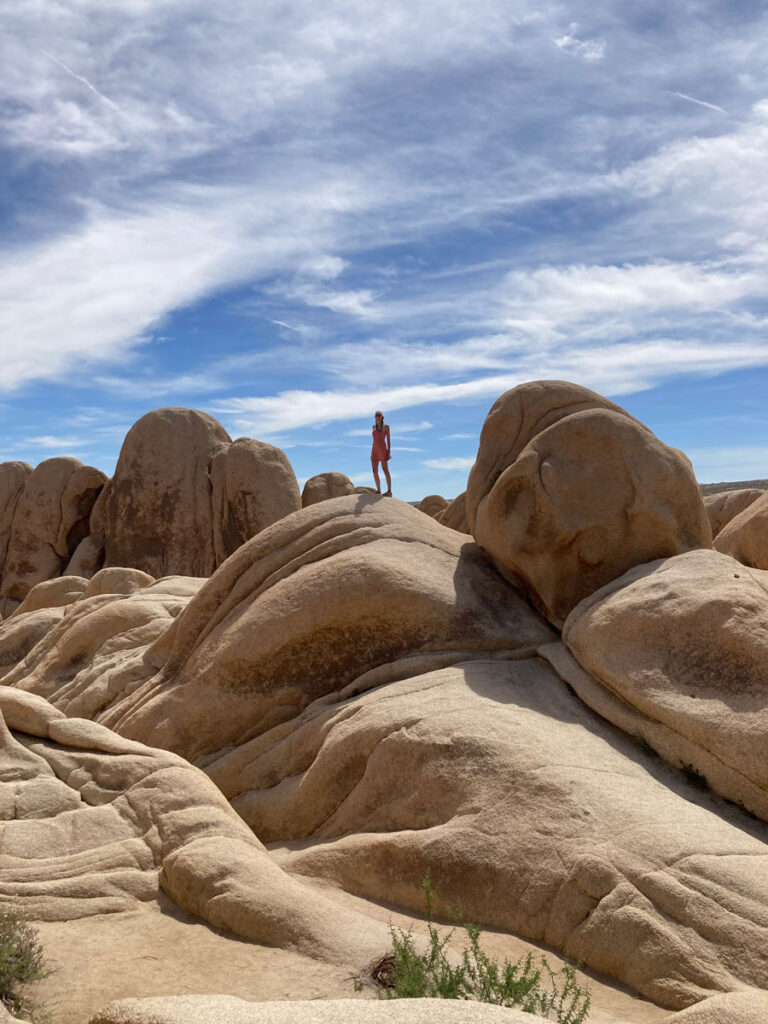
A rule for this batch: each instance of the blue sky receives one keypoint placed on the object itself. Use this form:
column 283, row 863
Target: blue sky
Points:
column 289, row 214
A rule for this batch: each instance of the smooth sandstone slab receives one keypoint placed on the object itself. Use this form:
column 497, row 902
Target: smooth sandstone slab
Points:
column 229, row 1010
column 530, row 815
column 683, row 644
column 92, row 823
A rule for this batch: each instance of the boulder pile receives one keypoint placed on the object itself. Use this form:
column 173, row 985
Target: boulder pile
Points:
column 560, row 719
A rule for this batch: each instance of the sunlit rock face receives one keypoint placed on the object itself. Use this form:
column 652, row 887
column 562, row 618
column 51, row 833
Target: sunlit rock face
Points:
column 568, row 492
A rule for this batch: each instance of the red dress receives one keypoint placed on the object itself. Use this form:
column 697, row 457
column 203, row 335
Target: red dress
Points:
column 379, row 449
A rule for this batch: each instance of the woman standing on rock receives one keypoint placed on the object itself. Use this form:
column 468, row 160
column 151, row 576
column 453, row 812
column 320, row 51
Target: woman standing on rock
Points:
column 380, row 453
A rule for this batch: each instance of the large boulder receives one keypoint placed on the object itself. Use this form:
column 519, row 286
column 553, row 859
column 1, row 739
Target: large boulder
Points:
column 158, row 514
column 324, row 486
column 253, row 486
column 454, row 515
column 677, row 653
column 745, row 537
column 568, row 492
column 723, row 506
column 13, row 477
column 432, row 504
column 358, row 585
column 51, row 519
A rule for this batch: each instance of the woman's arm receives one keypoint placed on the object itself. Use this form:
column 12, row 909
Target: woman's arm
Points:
column 389, row 441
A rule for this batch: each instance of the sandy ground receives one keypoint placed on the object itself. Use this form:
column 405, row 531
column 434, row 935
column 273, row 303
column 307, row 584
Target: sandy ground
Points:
column 161, row 950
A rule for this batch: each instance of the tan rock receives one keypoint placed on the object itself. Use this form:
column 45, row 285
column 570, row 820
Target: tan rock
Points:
column 678, row 650
column 19, row 635
column 13, row 477
column 117, row 580
column 50, row 520
column 454, row 515
column 568, row 492
column 731, row 1008
column 324, row 486
column 745, row 537
column 107, row 644
column 723, row 506
column 230, row 1010
column 432, row 504
column 158, row 511
column 58, row 593
column 356, row 584
column 88, row 556
column 529, row 814
column 253, row 486
column 95, row 824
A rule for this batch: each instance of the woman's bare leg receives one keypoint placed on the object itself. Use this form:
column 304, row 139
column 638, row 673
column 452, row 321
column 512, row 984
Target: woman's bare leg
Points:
column 375, row 468
column 385, row 467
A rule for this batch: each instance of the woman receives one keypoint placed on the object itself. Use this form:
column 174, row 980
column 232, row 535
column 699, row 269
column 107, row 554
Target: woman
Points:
column 380, row 453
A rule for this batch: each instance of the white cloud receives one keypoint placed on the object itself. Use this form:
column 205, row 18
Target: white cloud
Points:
column 450, row 463
column 60, row 443
column 589, row 50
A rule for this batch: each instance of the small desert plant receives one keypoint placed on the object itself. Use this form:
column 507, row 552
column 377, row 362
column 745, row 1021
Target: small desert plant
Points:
column 529, row 984
column 21, row 960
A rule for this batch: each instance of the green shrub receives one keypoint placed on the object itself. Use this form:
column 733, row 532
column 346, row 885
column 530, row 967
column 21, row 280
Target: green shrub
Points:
column 530, row 984
column 21, row 960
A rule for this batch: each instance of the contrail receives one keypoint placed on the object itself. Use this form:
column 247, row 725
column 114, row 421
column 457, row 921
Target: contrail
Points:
column 701, row 103
column 79, row 78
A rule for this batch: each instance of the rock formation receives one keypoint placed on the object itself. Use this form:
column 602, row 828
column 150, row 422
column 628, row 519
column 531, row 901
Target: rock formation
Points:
column 568, row 492
column 745, row 537
column 50, row 520
column 158, row 512
column 432, row 505
column 379, row 701
column 13, row 477
column 454, row 515
column 324, row 486
column 253, row 486
column 723, row 506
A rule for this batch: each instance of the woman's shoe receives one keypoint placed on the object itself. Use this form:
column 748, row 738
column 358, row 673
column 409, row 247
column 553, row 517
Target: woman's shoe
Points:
column 387, row 494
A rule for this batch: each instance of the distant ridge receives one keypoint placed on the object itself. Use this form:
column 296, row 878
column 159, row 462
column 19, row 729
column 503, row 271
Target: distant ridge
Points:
column 733, row 485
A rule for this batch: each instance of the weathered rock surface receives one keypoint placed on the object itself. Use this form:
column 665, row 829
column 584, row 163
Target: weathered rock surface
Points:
column 253, row 486
column 56, row 593
column 13, row 477
column 229, row 1010
column 50, row 520
column 745, row 537
column 355, row 584
column 528, row 813
column 723, row 506
column 158, row 514
column 324, row 486
column 680, row 648
column 454, row 515
column 106, row 645
column 432, row 504
column 95, row 824
column 561, row 522
column 88, row 557
column 732, row 1008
